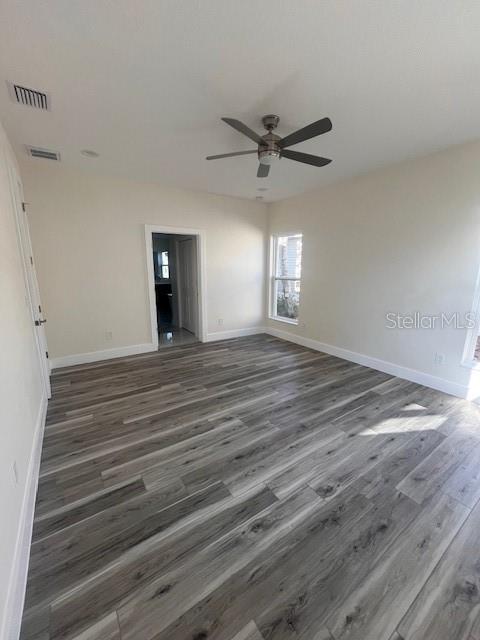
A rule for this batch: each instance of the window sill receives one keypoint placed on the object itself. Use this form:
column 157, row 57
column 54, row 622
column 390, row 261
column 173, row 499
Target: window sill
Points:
column 285, row 320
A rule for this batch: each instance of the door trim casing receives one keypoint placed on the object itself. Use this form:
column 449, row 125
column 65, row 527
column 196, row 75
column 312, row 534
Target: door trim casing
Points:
column 201, row 276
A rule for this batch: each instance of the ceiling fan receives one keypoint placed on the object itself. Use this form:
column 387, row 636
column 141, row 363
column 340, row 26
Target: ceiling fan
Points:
column 271, row 147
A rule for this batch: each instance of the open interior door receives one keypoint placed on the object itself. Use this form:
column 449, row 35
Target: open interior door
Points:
column 187, row 261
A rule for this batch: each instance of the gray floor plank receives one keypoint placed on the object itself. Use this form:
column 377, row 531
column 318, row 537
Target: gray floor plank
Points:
column 249, row 632
column 105, row 629
column 376, row 607
column 178, row 591
column 434, row 471
column 111, row 586
column 464, row 483
column 448, row 605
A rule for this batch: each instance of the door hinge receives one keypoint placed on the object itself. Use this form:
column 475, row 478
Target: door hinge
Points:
column 46, row 353
column 24, row 206
column 31, row 260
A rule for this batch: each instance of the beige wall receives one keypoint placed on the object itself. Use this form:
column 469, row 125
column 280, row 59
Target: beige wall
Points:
column 21, row 394
column 88, row 238
column 402, row 239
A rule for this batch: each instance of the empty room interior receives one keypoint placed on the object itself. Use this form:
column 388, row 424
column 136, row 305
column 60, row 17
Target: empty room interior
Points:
column 240, row 319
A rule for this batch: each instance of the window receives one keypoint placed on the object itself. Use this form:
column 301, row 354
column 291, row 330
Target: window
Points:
column 160, row 265
column 165, row 267
column 286, row 277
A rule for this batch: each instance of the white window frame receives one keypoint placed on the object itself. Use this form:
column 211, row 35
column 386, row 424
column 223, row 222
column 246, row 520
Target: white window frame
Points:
column 468, row 358
column 273, row 278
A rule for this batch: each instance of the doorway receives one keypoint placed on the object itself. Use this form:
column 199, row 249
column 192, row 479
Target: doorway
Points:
column 175, row 278
column 31, row 282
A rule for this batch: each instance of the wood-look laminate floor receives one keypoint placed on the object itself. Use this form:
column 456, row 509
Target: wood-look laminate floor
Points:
column 253, row 489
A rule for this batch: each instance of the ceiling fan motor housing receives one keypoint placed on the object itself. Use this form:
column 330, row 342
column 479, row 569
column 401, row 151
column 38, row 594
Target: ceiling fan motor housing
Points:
column 270, row 122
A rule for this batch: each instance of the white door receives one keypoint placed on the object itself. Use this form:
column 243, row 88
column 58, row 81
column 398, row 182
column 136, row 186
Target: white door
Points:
column 188, row 284
column 33, row 291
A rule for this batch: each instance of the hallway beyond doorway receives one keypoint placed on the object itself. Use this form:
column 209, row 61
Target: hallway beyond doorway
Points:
column 176, row 288
column 174, row 336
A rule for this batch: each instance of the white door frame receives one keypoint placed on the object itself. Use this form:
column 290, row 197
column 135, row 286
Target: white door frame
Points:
column 30, row 278
column 150, row 229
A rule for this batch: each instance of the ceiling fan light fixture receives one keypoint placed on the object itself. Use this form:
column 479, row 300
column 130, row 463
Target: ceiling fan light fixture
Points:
column 268, row 156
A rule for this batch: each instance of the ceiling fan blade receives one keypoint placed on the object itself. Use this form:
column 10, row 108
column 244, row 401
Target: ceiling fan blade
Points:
column 310, row 131
column 230, row 155
column 317, row 161
column 263, row 170
column 239, row 126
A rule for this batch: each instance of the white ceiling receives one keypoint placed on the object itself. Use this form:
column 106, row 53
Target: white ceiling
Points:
column 145, row 82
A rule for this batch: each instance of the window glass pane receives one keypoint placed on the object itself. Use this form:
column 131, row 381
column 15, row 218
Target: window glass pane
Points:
column 287, row 298
column 165, row 271
column 164, row 257
column 289, row 257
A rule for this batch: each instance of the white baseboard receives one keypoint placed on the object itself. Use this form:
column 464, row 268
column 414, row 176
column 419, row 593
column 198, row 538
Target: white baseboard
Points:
column 18, row 576
column 234, row 333
column 105, row 354
column 426, row 379
column 413, row 375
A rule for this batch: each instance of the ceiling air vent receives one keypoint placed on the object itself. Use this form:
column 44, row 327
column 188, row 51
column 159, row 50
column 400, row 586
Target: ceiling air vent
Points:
column 29, row 97
column 46, row 154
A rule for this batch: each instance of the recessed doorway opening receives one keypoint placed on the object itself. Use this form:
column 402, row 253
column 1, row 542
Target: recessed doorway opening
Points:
column 175, row 274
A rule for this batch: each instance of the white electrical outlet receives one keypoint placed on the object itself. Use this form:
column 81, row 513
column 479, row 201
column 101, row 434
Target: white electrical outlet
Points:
column 108, row 336
column 15, row 472
column 220, row 322
column 439, row 358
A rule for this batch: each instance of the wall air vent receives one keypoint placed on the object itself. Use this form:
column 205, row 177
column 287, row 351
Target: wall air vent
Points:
column 29, row 97
column 46, row 154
